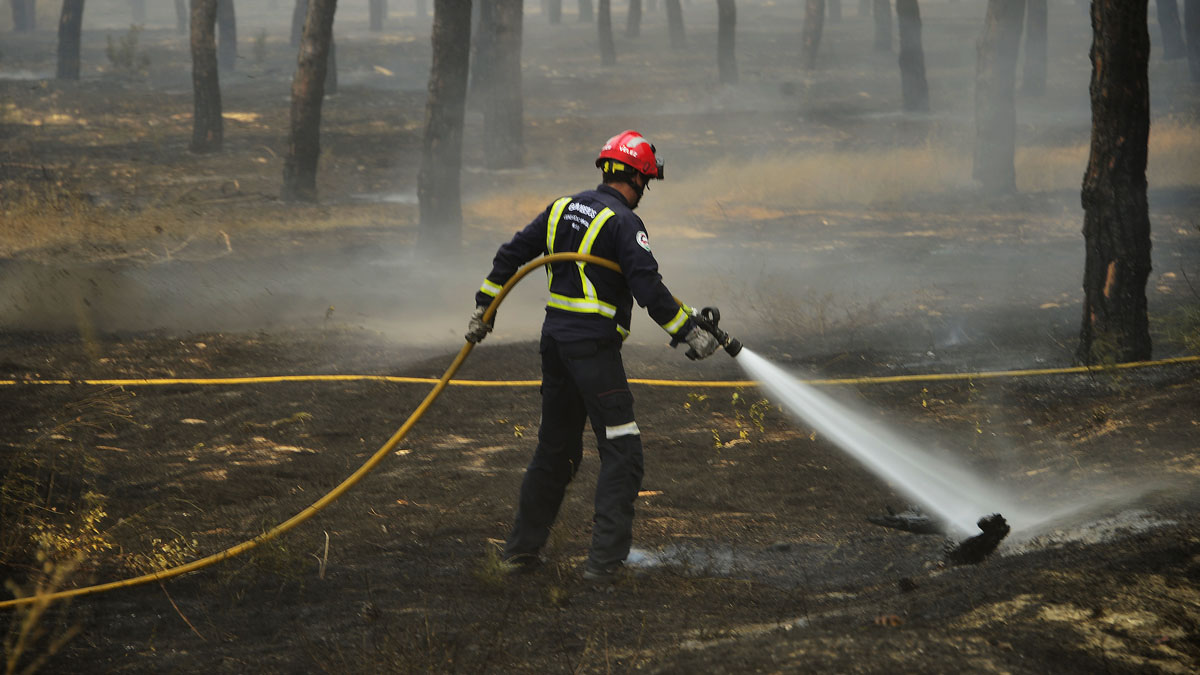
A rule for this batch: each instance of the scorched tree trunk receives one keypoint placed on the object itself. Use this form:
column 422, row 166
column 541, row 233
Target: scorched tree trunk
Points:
column 726, row 33
column 378, row 13
column 675, row 24
column 633, row 19
column 299, row 13
column 70, row 25
column 308, row 91
column 1116, row 224
column 227, row 36
column 1191, row 28
column 608, row 50
column 1033, row 77
column 1168, row 25
column 438, row 181
column 503, row 114
column 207, row 126
column 585, row 11
column 883, row 25
column 554, row 12
column 24, row 16
column 913, row 84
column 814, row 21
column 995, row 106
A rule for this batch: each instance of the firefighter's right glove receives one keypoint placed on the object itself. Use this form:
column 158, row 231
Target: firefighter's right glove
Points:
column 477, row 329
column 701, row 344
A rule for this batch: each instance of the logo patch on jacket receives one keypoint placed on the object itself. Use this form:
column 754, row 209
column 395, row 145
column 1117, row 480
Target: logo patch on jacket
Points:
column 643, row 240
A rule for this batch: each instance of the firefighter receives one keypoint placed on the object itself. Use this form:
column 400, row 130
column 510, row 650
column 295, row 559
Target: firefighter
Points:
column 583, row 377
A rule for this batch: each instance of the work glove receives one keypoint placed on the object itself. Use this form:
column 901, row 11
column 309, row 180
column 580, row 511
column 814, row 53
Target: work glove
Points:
column 477, row 329
column 701, row 344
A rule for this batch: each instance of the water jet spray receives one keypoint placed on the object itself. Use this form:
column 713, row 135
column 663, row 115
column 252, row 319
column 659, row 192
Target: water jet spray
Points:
column 955, row 496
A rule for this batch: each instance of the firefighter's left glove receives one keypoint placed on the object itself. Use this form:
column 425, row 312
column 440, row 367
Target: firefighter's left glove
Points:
column 701, row 344
column 478, row 329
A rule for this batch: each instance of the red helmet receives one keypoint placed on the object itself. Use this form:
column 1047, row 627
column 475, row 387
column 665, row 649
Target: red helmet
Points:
column 633, row 151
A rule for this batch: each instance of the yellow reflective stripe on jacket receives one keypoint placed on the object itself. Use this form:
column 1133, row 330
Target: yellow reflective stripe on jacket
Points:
column 552, row 223
column 552, row 230
column 672, row 327
column 488, row 288
column 585, row 247
column 583, row 305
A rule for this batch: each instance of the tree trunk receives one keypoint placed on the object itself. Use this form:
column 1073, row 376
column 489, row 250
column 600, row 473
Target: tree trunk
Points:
column 726, row 33
column 1033, row 78
column 24, row 16
column 585, row 11
column 1116, row 224
column 554, row 12
column 308, row 92
column 207, row 126
column 995, row 107
column 1168, row 24
column 835, row 11
column 633, row 19
column 70, row 25
column 438, row 181
column 913, row 84
column 299, row 13
column 651, row 6
column 331, row 69
column 138, row 8
column 864, row 7
column 1191, row 29
column 503, row 115
column 675, row 24
column 608, row 50
column 883, row 25
column 483, row 55
column 378, row 11
column 814, row 21
column 227, row 36
column 181, row 16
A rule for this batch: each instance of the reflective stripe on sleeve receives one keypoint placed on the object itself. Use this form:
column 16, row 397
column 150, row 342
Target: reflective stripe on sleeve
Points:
column 489, row 289
column 620, row 430
column 672, row 327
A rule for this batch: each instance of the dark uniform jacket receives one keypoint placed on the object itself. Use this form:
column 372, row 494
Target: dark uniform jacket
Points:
column 589, row 301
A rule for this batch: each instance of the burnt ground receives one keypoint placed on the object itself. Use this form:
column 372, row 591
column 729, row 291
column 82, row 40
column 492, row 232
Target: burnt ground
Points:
column 752, row 535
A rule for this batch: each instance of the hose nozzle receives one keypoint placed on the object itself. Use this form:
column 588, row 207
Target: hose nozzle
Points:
column 708, row 319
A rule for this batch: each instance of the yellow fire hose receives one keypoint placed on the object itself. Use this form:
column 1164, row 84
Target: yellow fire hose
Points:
column 441, row 384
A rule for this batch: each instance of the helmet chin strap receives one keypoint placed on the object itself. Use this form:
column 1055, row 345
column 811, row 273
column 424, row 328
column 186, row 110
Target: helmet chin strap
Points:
column 639, row 189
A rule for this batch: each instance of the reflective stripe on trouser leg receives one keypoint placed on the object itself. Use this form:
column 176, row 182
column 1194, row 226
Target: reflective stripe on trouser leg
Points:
column 556, row 459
